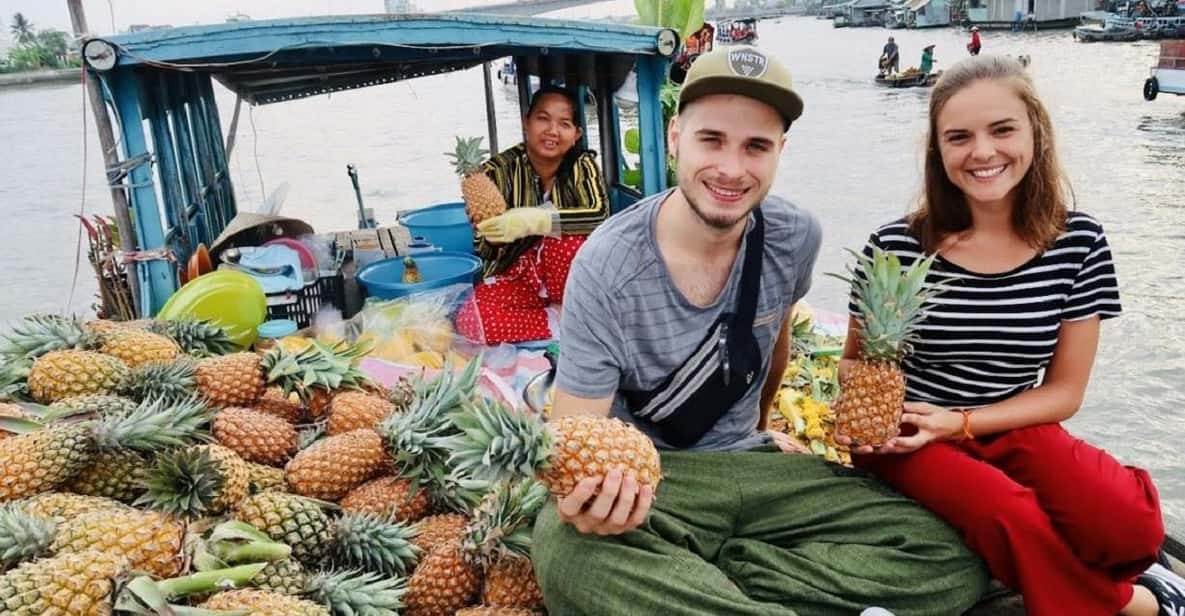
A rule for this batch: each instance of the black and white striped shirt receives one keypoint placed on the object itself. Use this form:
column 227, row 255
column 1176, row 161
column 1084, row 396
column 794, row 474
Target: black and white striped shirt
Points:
column 987, row 336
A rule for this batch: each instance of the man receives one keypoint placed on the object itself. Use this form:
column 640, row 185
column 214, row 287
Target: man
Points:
column 743, row 522
column 555, row 196
column 892, row 57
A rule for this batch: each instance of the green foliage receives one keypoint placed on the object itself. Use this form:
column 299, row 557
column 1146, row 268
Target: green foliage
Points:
column 21, row 29
column 683, row 16
column 36, row 49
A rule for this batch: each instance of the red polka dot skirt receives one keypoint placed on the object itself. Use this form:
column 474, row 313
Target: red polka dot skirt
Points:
column 512, row 306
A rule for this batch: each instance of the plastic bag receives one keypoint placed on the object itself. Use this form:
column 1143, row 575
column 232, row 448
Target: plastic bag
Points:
column 416, row 330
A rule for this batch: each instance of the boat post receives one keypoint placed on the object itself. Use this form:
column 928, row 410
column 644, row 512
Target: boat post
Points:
column 491, row 120
column 123, row 219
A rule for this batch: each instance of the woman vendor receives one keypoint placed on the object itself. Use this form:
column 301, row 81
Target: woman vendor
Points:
column 555, row 196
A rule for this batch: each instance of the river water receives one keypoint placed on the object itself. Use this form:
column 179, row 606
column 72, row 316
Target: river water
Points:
column 853, row 159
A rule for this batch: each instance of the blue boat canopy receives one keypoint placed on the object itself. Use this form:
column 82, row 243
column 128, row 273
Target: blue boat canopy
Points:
column 276, row 60
column 173, row 161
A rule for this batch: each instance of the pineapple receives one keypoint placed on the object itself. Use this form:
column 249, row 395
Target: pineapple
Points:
column 286, row 577
column 94, row 404
column 137, row 348
column 62, row 374
column 318, row 403
column 38, row 334
column 444, row 582
column 261, row 478
column 80, row 584
column 497, row 441
column 890, row 299
column 278, row 404
column 117, row 474
column 482, row 198
column 62, row 507
column 172, row 381
column 352, row 410
column 231, row 380
column 331, row 467
column 263, row 603
column 436, row 530
column 256, row 437
column 389, row 497
column 196, row 482
column 196, row 337
column 151, row 542
column 499, row 539
column 45, row 459
column 317, row 366
column 488, row 610
column 298, row 522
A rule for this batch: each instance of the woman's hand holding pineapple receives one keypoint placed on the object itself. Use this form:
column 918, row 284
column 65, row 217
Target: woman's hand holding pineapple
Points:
column 619, row 507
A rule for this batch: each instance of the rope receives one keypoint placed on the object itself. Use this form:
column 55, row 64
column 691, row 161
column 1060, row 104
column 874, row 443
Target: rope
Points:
column 255, row 148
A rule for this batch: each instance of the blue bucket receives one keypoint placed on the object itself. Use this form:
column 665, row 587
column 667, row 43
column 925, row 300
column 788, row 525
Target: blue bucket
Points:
column 437, row 270
column 445, row 225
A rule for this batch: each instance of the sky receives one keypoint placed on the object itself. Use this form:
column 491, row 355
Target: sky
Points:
column 101, row 14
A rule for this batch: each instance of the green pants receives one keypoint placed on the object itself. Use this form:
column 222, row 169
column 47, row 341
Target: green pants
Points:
column 761, row 533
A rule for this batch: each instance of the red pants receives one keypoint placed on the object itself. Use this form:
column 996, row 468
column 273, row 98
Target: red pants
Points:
column 1054, row 518
column 512, row 306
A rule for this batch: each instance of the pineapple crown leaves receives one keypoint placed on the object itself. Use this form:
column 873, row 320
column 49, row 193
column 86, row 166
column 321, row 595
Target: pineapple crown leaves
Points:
column 415, row 438
column 307, row 435
column 170, row 380
column 352, row 591
column 38, row 334
column 14, row 376
column 497, row 442
column 23, row 536
column 501, row 523
column 366, row 541
column 467, row 156
column 199, row 338
column 890, row 299
column 143, row 596
column 457, row 491
column 320, row 365
column 155, row 425
column 184, row 482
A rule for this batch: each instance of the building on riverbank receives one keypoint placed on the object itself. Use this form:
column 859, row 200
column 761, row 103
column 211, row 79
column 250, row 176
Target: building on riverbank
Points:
column 1030, row 13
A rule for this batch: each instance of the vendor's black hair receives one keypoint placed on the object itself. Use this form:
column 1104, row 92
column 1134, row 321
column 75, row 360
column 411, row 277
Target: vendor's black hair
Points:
column 562, row 91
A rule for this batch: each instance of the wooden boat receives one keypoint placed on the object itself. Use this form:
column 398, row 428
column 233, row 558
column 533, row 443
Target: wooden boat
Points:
column 1168, row 76
column 915, row 80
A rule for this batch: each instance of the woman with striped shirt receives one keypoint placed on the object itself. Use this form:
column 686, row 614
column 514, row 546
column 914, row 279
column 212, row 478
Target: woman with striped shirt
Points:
column 1003, row 357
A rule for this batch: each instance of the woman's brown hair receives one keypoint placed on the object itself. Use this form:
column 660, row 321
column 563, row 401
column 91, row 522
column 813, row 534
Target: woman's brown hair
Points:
column 1039, row 214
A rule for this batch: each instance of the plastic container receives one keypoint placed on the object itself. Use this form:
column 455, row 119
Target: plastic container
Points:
column 445, row 225
column 300, row 306
column 232, row 299
column 437, row 269
column 270, row 332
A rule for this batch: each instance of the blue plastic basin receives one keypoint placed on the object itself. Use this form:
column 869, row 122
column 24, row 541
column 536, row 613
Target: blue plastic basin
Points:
column 444, row 225
column 437, row 269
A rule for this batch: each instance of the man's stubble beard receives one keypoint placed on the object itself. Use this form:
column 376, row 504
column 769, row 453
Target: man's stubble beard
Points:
column 718, row 223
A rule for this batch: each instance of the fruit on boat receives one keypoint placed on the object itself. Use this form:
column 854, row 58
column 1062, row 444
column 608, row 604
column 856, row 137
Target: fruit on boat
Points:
column 890, row 299
column 331, row 467
column 62, row 374
column 411, row 271
column 497, row 441
column 482, row 198
column 255, row 436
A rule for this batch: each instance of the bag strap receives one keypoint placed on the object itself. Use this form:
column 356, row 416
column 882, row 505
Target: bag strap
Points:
column 746, row 306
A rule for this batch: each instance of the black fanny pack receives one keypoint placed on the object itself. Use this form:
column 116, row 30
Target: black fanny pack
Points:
column 721, row 370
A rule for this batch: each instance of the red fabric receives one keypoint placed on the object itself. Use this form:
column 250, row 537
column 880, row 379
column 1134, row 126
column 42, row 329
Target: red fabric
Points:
column 512, row 306
column 1053, row 517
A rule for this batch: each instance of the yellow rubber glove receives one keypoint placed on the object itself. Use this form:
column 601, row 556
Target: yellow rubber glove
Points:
column 515, row 224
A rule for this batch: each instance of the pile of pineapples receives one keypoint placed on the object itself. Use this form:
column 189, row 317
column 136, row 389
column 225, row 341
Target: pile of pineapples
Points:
column 810, row 385
column 151, row 463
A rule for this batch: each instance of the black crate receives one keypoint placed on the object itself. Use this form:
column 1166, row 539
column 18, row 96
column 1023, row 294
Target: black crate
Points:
column 300, row 306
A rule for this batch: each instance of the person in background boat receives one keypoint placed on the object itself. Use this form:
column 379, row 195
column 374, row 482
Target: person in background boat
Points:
column 1003, row 358
column 976, row 44
column 927, row 62
column 891, row 58
column 555, row 196
column 677, row 321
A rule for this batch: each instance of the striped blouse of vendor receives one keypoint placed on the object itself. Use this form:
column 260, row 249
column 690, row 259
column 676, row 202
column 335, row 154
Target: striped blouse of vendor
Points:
column 987, row 336
column 578, row 192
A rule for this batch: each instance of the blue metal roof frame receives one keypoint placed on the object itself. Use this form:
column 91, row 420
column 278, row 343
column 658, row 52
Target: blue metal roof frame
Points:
column 275, row 60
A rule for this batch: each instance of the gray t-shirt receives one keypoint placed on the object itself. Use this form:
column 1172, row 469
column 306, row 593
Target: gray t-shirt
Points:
column 625, row 326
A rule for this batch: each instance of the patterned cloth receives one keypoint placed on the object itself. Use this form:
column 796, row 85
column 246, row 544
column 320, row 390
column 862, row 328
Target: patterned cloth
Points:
column 578, row 192
column 512, row 306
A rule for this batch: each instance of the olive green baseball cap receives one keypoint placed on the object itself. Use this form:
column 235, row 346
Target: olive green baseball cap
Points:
column 746, row 71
